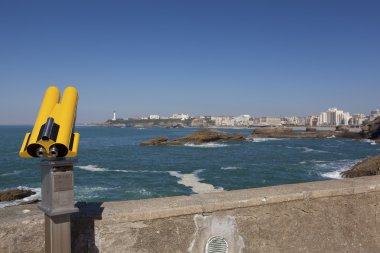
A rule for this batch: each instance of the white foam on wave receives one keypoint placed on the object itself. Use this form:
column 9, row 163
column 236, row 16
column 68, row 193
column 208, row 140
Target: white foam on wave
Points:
column 372, row 142
column 142, row 192
column 193, row 181
column 15, row 172
column 206, row 145
column 333, row 174
column 264, row 139
column 331, row 137
column 30, row 199
column 231, row 168
column 307, row 150
column 85, row 192
column 338, row 166
column 94, row 168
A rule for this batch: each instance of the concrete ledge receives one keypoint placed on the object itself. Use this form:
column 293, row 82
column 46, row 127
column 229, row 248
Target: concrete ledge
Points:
column 326, row 216
column 139, row 210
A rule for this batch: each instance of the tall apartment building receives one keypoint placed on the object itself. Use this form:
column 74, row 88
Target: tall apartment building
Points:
column 333, row 117
column 357, row 119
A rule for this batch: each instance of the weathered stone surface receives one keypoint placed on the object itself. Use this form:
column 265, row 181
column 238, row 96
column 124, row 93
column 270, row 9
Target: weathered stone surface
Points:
column 199, row 137
column 342, row 128
column 14, row 194
column 371, row 130
column 368, row 167
column 328, row 216
column 156, row 141
column 281, row 132
column 311, row 129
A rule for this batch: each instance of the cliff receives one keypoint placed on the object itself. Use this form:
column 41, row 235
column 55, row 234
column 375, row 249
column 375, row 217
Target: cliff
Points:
column 371, row 130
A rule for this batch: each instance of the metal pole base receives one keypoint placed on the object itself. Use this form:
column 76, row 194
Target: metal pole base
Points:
column 57, row 234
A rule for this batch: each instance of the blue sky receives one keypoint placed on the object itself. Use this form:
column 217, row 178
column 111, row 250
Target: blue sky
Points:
column 199, row 57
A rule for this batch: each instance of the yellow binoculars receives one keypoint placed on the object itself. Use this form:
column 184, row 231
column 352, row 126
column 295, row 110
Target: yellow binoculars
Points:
column 52, row 135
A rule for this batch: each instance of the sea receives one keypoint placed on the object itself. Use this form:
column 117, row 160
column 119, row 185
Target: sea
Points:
column 113, row 166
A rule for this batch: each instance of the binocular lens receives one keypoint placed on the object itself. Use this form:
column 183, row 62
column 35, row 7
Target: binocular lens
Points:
column 41, row 152
column 53, row 152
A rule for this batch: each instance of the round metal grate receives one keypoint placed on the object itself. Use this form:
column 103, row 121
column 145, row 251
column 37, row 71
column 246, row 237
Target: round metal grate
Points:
column 216, row 244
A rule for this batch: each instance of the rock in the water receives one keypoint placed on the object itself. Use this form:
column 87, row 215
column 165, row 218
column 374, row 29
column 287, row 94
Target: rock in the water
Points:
column 156, row 141
column 273, row 130
column 342, row 128
column 368, row 167
column 282, row 132
column 371, row 129
column 199, row 137
column 311, row 129
column 14, row 194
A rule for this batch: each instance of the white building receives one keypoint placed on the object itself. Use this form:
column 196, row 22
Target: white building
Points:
column 114, row 116
column 223, row 121
column 242, row 120
column 154, row 116
column 294, row 120
column 334, row 117
column 180, row 116
column 357, row 119
column 311, row 121
column 267, row 121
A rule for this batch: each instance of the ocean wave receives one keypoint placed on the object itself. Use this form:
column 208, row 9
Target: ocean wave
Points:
column 94, row 168
column 264, row 139
column 372, row 142
column 88, row 192
column 206, row 145
column 141, row 192
column 336, row 168
column 30, row 199
column 331, row 137
column 307, row 150
column 15, row 172
column 231, row 168
column 192, row 180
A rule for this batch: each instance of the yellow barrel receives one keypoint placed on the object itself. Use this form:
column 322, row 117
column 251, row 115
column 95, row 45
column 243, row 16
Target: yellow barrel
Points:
column 50, row 99
column 66, row 118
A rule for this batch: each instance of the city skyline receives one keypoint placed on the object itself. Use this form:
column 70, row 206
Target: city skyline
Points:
column 199, row 57
column 331, row 117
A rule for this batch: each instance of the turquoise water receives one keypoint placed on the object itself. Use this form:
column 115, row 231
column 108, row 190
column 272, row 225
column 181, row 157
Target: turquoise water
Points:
column 113, row 166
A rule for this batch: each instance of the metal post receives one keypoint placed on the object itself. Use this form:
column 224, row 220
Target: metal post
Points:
column 57, row 234
column 57, row 193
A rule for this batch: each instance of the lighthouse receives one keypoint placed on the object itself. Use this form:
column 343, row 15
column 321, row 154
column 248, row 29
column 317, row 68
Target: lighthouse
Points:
column 114, row 116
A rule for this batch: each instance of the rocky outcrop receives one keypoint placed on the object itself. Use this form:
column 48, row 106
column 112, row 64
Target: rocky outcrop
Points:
column 14, row 194
column 342, row 128
column 368, row 167
column 371, row 130
column 156, row 141
column 281, row 132
column 311, row 129
column 199, row 137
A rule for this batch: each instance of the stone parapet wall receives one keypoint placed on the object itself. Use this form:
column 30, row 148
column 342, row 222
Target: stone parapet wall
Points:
column 326, row 216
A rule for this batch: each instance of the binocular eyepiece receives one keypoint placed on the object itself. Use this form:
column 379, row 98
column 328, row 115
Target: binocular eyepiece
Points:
column 53, row 132
column 41, row 152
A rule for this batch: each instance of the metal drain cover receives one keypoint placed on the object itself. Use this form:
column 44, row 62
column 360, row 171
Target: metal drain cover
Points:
column 216, row 244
